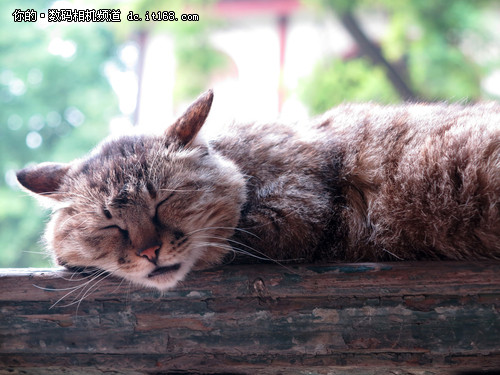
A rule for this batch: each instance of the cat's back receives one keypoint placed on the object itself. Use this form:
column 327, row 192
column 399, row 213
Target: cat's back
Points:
column 380, row 139
column 426, row 119
column 424, row 174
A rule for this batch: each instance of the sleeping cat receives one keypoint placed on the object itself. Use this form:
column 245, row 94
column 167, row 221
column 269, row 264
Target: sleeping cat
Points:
column 361, row 182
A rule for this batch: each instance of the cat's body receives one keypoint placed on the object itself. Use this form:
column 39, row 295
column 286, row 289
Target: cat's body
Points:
column 366, row 182
column 362, row 182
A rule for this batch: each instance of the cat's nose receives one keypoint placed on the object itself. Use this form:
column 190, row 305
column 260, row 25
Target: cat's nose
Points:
column 150, row 252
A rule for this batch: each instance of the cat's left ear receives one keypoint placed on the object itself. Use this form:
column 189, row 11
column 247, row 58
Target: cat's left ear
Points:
column 186, row 127
column 44, row 179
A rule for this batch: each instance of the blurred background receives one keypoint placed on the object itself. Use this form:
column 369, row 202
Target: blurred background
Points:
column 66, row 85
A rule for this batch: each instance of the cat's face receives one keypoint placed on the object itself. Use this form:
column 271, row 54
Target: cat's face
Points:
column 145, row 208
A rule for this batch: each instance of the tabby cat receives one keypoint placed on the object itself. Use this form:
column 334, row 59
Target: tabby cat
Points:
column 362, row 182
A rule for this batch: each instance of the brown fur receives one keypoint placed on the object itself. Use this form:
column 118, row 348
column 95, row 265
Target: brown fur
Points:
column 361, row 182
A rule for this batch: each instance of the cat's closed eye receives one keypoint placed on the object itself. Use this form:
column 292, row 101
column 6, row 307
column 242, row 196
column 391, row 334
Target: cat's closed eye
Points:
column 116, row 229
column 159, row 204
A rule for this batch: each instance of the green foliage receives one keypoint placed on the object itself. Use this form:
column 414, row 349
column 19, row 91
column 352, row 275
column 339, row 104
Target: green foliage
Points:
column 427, row 37
column 437, row 65
column 22, row 222
column 443, row 73
column 355, row 80
column 62, row 104
column 196, row 59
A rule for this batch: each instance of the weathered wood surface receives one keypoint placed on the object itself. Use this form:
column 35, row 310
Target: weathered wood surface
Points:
column 391, row 318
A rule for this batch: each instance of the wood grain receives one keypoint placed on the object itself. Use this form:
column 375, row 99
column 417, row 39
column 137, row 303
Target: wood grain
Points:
column 397, row 318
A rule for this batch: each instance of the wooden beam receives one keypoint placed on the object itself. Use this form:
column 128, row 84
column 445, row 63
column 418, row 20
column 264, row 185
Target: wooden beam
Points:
column 401, row 318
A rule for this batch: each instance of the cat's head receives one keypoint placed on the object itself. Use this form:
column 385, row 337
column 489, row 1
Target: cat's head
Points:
column 145, row 208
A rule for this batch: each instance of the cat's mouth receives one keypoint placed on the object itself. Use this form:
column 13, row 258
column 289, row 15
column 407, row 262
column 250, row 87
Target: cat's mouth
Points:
column 163, row 270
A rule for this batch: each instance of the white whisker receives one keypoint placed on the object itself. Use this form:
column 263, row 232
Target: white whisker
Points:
column 235, row 249
column 75, row 215
column 230, row 248
column 81, row 287
column 56, row 289
column 178, row 190
column 84, row 273
column 89, row 290
column 34, row 252
column 215, row 228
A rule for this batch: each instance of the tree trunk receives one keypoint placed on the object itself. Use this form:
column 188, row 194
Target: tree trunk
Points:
column 374, row 53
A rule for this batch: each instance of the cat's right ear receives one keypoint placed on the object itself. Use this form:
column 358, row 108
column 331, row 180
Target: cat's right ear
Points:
column 187, row 126
column 44, row 179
